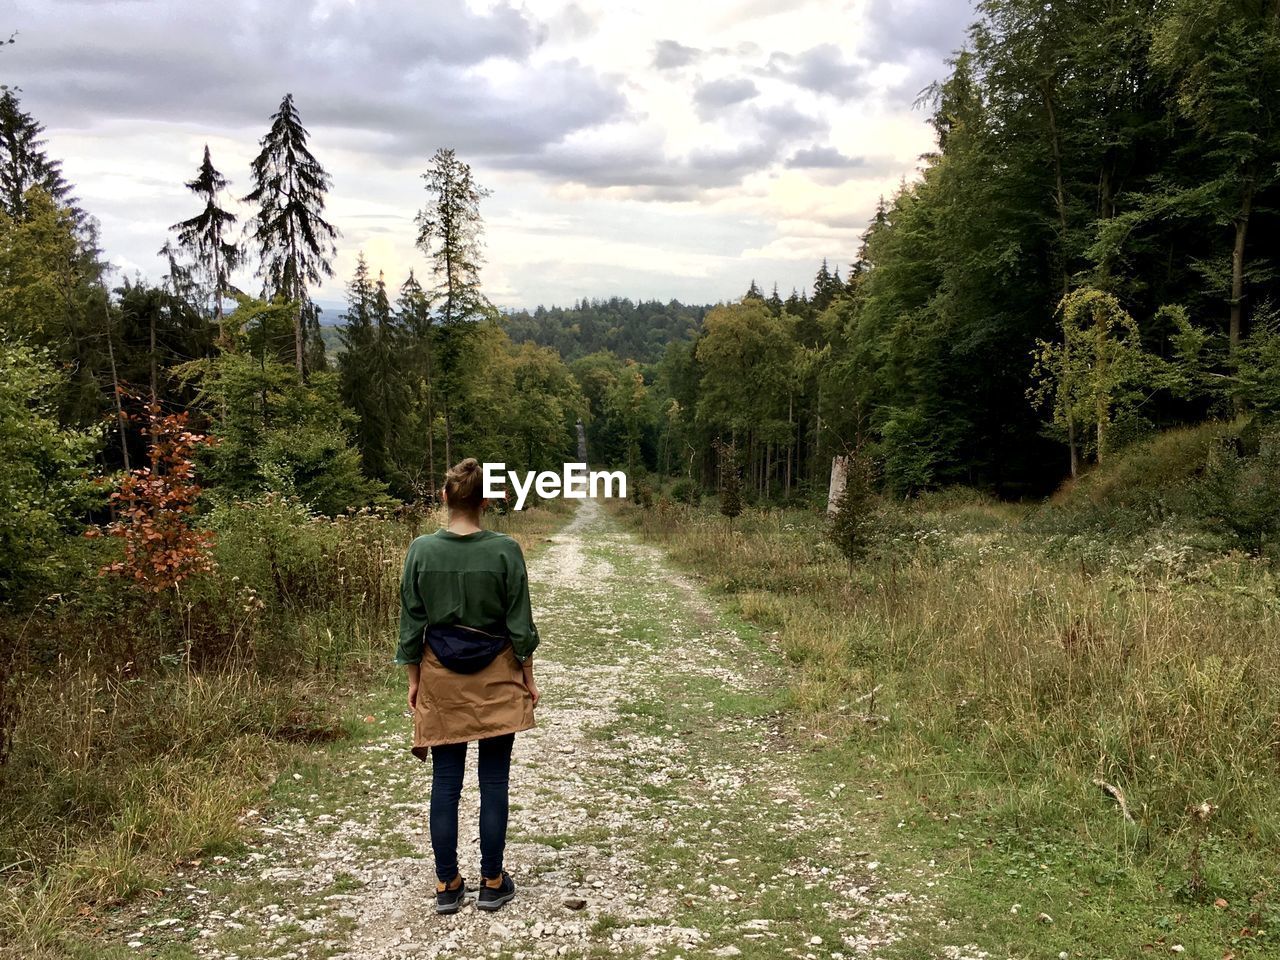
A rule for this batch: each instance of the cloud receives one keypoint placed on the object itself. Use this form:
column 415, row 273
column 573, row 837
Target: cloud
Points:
column 715, row 95
column 570, row 110
column 829, row 166
column 397, row 77
column 786, row 122
column 670, row 55
column 823, row 158
column 573, row 23
column 897, row 29
column 915, row 37
column 821, row 69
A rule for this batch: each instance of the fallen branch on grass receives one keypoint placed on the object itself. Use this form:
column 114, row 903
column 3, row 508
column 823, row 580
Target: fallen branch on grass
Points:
column 1116, row 794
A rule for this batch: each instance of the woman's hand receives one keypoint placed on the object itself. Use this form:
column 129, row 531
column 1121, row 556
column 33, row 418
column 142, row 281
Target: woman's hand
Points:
column 413, row 672
column 530, row 684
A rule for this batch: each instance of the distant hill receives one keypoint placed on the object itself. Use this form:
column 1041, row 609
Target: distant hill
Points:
column 637, row 331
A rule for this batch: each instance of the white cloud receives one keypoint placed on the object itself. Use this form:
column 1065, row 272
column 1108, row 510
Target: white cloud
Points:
column 669, row 149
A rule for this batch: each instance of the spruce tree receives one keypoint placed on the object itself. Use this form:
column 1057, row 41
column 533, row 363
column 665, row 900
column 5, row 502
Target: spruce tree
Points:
column 355, row 367
column 753, row 292
column 294, row 241
column 854, row 525
column 824, row 287
column 797, row 305
column 204, row 237
column 386, row 369
column 730, row 482
column 24, row 163
column 417, row 448
column 449, row 230
column 775, row 301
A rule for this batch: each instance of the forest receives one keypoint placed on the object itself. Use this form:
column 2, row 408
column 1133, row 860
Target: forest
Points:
column 1070, row 317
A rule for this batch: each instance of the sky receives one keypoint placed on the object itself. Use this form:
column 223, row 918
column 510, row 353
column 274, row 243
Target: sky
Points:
column 669, row 148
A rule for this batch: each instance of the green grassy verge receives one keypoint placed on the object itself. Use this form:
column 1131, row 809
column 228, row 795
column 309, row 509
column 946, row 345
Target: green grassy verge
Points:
column 977, row 680
column 126, row 772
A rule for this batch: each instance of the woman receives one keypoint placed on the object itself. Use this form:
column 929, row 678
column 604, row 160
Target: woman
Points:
column 467, row 638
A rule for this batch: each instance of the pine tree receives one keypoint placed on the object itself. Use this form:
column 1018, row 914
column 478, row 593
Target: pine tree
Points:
column 417, row 449
column 449, row 230
column 387, row 370
column 730, row 482
column 24, row 163
column 204, row 236
column 356, row 367
column 822, row 287
column 796, row 304
column 294, row 241
column 775, row 301
column 853, row 525
column 753, row 292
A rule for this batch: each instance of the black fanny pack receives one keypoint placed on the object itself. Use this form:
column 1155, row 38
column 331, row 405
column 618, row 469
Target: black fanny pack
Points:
column 466, row 649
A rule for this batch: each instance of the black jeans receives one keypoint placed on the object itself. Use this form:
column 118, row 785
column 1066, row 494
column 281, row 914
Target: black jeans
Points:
column 448, row 762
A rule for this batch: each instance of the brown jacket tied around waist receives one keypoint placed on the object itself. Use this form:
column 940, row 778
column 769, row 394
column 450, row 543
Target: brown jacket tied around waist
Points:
column 460, row 707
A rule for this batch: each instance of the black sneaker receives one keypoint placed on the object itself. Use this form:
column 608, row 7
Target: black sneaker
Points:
column 492, row 898
column 449, row 900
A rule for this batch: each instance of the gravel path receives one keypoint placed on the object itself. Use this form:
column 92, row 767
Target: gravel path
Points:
column 656, row 808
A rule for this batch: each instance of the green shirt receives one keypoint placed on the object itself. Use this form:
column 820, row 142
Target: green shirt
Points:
column 474, row 580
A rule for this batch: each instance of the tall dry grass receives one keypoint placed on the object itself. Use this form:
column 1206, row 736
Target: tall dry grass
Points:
column 147, row 726
column 979, row 661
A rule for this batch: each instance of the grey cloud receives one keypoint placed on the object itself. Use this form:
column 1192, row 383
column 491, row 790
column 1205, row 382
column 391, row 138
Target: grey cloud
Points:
column 785, row 122
column 669, row 55
column 823, row 158
column 828, row 165
column 717, row 94
column 821, row 69
column 899, row 28
column 917, row 34
column 648, row 170
column 398, row 76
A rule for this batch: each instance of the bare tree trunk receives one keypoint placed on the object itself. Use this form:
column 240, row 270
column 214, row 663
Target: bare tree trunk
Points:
column 448, row 435
column 1237, row 268
column 115, row 383
column 152, row 355
column 1060, row 201
column 431, row 446
column 790, row 438
column 298, row 343
column 217, row 297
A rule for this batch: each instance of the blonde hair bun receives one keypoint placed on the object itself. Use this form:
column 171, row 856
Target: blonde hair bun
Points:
column 464, row 485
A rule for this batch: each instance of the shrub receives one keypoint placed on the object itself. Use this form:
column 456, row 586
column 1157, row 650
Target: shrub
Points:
column 730, row 482
column 155, row 503
column 687, row 491
column 44, row 479
column 853, row 527
column 1241, row 495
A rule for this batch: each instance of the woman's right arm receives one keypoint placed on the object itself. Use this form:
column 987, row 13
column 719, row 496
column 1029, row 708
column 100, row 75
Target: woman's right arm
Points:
column 413, row 621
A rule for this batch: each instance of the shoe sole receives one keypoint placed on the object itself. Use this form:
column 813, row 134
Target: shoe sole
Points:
column 450, row 907
column 492, row 905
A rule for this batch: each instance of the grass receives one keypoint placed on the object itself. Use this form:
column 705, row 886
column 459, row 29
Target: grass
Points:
column 983, row 681
column 139, row 749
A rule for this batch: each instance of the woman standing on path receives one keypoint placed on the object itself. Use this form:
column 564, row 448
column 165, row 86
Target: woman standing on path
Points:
column 467, row 638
